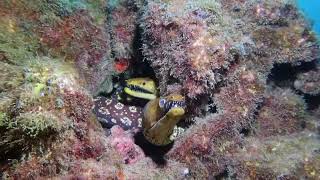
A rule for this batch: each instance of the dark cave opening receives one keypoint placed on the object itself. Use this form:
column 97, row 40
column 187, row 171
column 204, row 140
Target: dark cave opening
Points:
column 284, row 75
column 156, row 153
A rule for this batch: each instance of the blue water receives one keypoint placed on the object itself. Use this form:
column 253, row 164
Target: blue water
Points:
column 311, row 9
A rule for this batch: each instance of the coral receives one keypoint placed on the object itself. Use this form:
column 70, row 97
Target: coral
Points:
column 181, row 37
column 68, row 29
column 88, row 145
column 16, row 45
column 89, row 43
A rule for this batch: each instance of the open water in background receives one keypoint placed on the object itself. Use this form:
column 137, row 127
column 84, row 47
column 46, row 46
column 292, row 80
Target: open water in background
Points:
column 311, row 9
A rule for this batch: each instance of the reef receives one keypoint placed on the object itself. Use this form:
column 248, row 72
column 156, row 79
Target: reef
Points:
column 249, row 72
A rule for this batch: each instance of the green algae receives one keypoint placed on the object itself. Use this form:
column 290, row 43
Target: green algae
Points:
column 210, row 5
column 36, row 124
column 96, row 10
column 3, row 119
column 39, row 87
column 33, row 125
column 11, row 77
column 17, row 45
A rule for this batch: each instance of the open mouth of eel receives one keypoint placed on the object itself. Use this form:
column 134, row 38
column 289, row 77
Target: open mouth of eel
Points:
column 139, row 89
column 173, row 104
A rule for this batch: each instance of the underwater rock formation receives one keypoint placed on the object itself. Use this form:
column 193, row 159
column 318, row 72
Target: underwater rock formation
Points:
column 283, row 112
column 123, row 18
column 308, row 82
column 197, row 43
column 55, row 56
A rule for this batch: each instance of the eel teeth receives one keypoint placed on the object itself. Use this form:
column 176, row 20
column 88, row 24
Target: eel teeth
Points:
column 138, row 89
column 171, row 104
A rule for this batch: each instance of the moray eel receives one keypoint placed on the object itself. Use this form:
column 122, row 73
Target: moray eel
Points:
column 160, row 118
column 110, row 112
column 113, row 111
column 157, row 119
column 144, row 88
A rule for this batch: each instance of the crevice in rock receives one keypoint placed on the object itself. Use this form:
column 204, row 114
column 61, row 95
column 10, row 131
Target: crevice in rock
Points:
column 283, row 75
column 221, row 176
column 156, row 153
column 245, row 132
column 313, row 101
column 141, row 67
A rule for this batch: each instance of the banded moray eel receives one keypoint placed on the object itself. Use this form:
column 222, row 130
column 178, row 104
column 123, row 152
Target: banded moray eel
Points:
column 157, row 120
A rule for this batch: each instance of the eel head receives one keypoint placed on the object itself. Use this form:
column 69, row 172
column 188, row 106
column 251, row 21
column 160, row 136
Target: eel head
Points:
column 161, row 117
column 144, row 88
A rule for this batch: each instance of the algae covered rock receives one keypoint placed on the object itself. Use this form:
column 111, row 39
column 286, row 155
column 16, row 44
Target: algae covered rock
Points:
column 308, row 82
column 56, row 55
column 198, row 43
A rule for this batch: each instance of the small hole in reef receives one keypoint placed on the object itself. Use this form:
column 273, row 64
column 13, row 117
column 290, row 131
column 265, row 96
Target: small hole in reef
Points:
column 313, row 101
column 222, row 175
column 245, row 132
column 212, row 108
column 303, row 124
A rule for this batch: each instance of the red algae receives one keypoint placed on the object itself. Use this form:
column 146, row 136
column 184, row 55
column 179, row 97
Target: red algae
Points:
column 121, row 65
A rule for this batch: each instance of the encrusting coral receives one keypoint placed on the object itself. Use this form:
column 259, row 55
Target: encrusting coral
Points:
column 55, row 56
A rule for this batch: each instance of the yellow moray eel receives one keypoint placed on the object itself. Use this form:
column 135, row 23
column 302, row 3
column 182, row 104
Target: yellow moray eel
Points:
column 157, row 120
column 144, row 88
column 160, row 118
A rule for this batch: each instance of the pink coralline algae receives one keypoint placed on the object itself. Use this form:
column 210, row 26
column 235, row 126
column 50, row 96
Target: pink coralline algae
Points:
column 124, row 144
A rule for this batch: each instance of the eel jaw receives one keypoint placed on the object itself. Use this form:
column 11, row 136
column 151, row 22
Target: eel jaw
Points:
column 170, row 105
column 139, row 93
column 176, row 112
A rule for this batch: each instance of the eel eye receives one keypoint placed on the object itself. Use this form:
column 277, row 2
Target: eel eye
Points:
column 162, row 102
